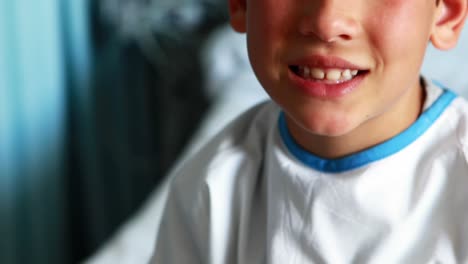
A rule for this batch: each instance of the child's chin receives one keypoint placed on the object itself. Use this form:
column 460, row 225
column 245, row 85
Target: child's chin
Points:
column 331, row 131
column 329, row 127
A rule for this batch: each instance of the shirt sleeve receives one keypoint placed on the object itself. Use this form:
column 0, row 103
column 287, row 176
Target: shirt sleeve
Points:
column 183, row 231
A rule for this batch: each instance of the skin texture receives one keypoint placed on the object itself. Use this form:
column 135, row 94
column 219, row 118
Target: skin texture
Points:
column 387, row 38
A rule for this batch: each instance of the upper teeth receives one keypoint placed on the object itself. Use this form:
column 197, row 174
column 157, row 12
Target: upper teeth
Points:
column 328, row 74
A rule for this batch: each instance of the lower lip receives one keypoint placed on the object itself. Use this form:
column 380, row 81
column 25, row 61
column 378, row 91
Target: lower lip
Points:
column 325, row 90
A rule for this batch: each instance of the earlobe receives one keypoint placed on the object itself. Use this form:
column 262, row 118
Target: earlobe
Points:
column 449, row 22
column 237, row 13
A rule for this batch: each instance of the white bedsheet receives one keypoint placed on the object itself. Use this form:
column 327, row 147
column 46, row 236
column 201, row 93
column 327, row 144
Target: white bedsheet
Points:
column 234, row 88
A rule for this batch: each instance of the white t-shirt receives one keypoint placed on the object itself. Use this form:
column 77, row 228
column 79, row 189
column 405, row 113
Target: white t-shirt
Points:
column 252, row 195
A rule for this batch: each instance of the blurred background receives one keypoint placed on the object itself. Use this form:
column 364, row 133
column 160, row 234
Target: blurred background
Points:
column 98, row 99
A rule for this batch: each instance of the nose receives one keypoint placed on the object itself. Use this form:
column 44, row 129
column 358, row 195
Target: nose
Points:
column 329, row 20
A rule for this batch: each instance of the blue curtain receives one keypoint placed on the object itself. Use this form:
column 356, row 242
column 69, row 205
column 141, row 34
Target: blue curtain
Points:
column 88, row 124
column 42, row 44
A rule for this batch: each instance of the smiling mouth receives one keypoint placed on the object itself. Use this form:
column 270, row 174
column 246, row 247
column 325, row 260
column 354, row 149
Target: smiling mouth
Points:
column 330, row 76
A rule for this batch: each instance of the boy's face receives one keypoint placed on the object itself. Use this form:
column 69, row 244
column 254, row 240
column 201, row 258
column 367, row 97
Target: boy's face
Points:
column 306, row 53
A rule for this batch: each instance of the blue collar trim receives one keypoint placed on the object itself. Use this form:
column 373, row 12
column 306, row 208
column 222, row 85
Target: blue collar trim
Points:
column 372, row 154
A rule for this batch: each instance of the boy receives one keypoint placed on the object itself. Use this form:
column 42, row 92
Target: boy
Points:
column 358, row 160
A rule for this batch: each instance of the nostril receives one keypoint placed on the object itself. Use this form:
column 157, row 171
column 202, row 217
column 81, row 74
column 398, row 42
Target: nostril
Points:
column 327, row 34
column 345, row 37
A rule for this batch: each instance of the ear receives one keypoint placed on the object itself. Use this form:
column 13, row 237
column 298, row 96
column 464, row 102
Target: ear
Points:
column 237, row 13
column 449, row 21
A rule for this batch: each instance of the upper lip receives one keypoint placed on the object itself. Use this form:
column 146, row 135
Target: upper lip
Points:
column 325, row 62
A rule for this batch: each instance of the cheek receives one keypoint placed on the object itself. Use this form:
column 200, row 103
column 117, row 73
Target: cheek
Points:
column 271, row 21
column 267, row 35
column 267, row 17
column 401, row 30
